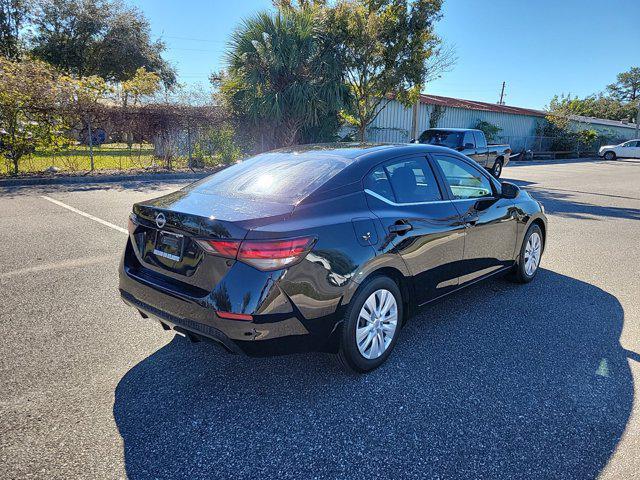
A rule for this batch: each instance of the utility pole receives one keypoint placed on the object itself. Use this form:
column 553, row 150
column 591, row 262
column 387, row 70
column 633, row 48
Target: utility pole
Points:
column 501, row 101
column 638, row 121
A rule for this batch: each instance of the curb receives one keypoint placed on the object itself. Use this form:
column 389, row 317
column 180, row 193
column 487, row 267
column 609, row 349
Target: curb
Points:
column 150, row 177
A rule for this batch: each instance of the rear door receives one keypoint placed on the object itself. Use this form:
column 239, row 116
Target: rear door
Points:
column 490, row 221
column 421, row 224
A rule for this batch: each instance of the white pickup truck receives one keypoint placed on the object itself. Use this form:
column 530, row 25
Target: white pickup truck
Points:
column 630, row 149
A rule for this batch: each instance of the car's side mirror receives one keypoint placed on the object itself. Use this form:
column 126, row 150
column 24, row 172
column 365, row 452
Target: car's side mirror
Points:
column 413, row 140
column 469, row 146
column 509, row 190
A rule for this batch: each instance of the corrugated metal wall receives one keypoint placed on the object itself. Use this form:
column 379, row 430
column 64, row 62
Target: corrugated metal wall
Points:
column 394, row 122
column 396, row 116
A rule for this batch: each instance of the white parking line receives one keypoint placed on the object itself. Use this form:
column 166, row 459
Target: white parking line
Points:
column 84, row 214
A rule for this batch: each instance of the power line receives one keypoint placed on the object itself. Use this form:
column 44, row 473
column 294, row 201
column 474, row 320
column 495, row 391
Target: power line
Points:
column 189, row 39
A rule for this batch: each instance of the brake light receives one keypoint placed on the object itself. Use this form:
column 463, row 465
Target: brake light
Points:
column 261, row 254
column 223, row 248
column 274, row 254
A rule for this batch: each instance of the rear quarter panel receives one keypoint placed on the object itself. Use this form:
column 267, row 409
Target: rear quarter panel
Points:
column 317, row 285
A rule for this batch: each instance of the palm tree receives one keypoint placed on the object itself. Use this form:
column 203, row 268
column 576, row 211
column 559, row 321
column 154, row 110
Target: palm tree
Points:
column 282, row 77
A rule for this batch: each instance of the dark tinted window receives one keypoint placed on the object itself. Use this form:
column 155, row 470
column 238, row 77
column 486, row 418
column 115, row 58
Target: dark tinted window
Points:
column 481, row 140
column 406, row 181
column 465, row 181
column 277, row 176
column 378, row 182
column 441, row 137
column 468, row 138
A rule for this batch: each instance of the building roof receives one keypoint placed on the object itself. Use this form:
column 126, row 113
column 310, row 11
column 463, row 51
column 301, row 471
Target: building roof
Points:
column 602, row 121
column 474, row 105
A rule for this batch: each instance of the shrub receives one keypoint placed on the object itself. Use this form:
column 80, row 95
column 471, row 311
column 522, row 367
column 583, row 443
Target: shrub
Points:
column 490, row 130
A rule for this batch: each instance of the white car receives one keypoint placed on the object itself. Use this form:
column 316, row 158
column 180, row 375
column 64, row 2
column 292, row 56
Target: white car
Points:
column 630, row 149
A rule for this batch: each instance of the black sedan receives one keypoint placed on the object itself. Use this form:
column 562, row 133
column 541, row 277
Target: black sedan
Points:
column 325, row 247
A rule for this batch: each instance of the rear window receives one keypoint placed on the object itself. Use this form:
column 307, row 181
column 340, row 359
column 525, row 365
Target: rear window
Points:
column 441, row 137
column 276, row 176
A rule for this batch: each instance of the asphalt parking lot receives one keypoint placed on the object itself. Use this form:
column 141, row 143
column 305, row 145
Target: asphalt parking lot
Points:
column 499, row 381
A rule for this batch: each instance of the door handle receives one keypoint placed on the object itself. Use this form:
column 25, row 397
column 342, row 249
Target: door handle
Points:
column 400, row 228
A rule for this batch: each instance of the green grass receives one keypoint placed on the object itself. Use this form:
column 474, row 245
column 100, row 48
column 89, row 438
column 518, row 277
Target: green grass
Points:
column 113, row 156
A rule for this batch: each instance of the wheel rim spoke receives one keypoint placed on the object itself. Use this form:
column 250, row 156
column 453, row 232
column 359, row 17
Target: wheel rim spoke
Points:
column 377, row 324
column 532, row 253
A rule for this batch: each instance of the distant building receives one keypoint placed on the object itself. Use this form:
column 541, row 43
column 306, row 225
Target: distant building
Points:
column 395, row 123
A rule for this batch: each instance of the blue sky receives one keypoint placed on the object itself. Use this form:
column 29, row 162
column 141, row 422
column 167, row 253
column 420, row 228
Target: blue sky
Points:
column 539, row 47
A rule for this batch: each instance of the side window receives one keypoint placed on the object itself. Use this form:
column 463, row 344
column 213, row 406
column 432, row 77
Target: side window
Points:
column 404, row 181
column 468, row 138
column 465, row 181
column 378, row 182
column 481, row 140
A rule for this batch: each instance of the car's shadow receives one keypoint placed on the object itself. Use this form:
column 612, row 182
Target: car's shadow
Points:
column 499, row 381
column 564, row 203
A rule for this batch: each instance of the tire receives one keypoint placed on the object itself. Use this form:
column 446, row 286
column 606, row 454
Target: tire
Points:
column 610, row 155
column 350, row 354
column 496, row 171
column 522, row 272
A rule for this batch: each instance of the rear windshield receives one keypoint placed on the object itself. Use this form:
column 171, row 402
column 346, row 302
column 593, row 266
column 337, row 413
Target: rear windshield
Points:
column 277, row 176
column 441, row 137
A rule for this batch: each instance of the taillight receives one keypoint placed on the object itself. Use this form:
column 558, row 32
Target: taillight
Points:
column 274, row 254
column 261, row 254
column 223, row 248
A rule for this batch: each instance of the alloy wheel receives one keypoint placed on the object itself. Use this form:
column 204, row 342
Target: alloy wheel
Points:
column 532, row 253
column 377, row 323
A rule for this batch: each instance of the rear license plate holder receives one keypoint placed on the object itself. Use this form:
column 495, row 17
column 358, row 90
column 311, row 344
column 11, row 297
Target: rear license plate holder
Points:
column 169, row 245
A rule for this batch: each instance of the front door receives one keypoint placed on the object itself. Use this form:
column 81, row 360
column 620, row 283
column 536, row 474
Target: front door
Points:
column 420, row 224
column 469, row 148
column 490, row 221
column 482, row 150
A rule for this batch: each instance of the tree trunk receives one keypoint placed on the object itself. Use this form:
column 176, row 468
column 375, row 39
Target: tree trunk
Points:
column 90, row 143
column 16, row 161
column 362, row 132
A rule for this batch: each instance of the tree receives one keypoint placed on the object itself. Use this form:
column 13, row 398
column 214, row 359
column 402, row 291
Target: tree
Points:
column 142, row 84
column 88, row 93
column 627, row 87
column 597, row 106
column 13, row 16
column 385, row 47
column 489, row 129
column 281, row 77
column 32, row 97
column 97, row 37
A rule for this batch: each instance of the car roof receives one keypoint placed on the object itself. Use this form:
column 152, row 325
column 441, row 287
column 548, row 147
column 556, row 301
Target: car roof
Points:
column 352, row 152
column 361, row 158
column 454, row 129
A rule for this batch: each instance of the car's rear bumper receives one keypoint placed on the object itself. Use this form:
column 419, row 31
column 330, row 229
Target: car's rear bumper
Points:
column 277, row 327
column 194, row 330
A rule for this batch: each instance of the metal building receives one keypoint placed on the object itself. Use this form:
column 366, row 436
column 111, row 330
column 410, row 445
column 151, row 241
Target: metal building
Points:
column 397, row 123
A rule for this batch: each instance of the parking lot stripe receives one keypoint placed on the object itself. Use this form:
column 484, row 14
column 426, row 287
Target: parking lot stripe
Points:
column 85, row 214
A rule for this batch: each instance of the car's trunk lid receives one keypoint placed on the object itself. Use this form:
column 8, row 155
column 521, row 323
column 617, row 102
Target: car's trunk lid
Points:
column 168, row 226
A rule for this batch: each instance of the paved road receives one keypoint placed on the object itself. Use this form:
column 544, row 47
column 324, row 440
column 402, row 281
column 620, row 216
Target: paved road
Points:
column 500, row 381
